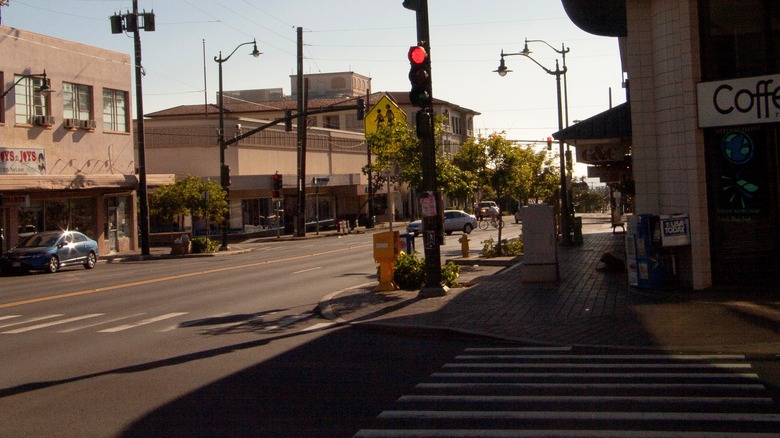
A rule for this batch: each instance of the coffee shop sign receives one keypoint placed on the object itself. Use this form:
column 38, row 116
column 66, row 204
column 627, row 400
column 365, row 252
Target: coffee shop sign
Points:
column 743, row 101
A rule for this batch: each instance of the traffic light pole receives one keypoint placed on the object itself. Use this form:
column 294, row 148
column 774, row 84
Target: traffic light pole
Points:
column 433, row 233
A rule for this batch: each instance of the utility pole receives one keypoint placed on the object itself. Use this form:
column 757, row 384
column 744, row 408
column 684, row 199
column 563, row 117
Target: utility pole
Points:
column 130, row 23
column 300, row 214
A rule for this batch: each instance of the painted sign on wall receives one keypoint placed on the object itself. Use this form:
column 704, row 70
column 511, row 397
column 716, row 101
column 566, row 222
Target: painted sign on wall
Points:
column 26, row 161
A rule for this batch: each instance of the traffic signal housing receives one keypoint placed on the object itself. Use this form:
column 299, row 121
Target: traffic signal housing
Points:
column 361, row 109
column 421, row 94
column 288, row 120
column 277, row 185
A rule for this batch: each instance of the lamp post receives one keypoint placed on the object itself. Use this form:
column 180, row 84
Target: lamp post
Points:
column 502, row 70
column 44, row 89
column 224, row 170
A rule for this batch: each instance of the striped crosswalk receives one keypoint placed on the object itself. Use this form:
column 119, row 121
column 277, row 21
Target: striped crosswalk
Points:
column 554, row 392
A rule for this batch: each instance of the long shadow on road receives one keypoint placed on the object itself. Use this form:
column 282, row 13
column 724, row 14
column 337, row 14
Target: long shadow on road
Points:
column 330, row 387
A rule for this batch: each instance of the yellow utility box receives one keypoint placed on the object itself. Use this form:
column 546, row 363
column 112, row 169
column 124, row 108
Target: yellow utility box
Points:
column 387, row 246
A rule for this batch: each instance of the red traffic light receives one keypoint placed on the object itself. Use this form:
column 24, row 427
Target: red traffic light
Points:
column 417, row 55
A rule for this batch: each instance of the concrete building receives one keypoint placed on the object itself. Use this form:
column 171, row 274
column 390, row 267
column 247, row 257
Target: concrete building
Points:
column 703, row 138
column 184, row 140
column 66, row 153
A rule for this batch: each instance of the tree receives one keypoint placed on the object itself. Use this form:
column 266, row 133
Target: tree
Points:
column 396, row 151
column 189, row 196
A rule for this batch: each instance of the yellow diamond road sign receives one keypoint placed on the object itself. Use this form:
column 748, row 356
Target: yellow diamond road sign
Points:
column 384, row 110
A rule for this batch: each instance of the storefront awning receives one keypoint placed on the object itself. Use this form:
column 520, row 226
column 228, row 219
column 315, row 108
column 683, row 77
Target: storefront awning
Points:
column 601, row 139
column 38, row 183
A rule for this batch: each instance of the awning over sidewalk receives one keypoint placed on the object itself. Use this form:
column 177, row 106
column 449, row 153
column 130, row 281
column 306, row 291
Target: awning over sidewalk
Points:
column 603, row 138
column 38, row 183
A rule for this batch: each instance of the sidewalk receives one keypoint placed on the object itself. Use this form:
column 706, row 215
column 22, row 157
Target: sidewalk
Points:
column 589, row 305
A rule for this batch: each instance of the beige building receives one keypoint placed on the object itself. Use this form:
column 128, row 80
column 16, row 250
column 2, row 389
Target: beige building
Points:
column 184, row 140
column 66, row 147
column 703, row 133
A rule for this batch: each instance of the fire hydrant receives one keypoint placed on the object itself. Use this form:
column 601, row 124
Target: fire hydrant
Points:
column 464, row 245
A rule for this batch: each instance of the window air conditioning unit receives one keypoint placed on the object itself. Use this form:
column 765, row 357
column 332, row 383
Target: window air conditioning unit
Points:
column 89, row 125
column 44, row 120
column 71, row 124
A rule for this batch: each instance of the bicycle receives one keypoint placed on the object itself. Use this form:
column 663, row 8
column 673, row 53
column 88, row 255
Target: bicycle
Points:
column 495, row 222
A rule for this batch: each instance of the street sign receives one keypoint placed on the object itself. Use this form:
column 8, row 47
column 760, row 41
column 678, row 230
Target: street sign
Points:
column 383, row 111
column 319, row 181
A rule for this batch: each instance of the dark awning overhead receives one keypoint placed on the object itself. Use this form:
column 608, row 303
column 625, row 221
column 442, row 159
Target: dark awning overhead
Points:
column 601, row 139
column 614, row 123
column 598, row 17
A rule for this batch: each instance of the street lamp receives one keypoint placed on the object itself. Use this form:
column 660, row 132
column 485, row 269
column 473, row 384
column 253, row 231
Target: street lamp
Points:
column 224, row 170
column 558, row 72
column 44, row 89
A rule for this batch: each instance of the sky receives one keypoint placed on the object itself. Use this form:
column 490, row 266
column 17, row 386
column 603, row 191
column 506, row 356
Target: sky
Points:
column 369, row 37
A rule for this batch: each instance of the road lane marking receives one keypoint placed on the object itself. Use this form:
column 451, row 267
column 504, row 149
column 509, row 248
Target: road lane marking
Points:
column 52, row 323
column 40, row 318
column 9, row 317
column 172, row 278
column 82, row 327
column 320, row 326
column 307, row 270
column 144, row 322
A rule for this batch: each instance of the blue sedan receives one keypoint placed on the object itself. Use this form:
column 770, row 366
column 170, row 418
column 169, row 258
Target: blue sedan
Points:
column 51, row 250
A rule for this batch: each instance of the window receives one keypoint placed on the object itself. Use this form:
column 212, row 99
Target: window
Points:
column 114, row 110
column 30, row 102
column 331, row 122
column 456, row 128
column 739, row 38
column 76, row 101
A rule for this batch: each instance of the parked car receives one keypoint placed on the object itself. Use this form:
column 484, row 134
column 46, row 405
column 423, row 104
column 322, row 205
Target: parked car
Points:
column 454, row 220
column 487, row 209
column 51, row 250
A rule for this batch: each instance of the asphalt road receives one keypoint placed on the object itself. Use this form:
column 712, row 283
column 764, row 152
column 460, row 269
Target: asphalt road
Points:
column 89, row 353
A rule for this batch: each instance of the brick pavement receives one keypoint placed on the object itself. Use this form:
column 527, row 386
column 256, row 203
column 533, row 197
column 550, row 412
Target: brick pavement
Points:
column 589, row 305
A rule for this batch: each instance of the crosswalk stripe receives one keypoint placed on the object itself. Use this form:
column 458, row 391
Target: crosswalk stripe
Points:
column 635, row 400
column 53, row 323
column 603, row 375
column 548, row 433
column 601, row 365
column 631, row 357
column 644, row 416
column 144, row 322
column 583, row 386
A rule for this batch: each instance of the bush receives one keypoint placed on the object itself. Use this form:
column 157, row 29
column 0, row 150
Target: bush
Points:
column 512, row 247
column 409, row 272
column 203, row 244
column 449, row 274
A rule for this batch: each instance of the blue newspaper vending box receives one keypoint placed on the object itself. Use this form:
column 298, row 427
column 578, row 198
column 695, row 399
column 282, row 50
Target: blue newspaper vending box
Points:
column 643, row 252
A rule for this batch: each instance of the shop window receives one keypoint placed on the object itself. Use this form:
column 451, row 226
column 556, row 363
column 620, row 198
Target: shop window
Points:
column 258, row 214
column 30, row 102
column 114, row 110
column 76, row 101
